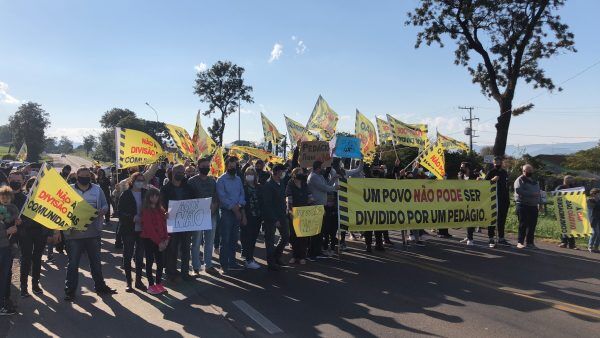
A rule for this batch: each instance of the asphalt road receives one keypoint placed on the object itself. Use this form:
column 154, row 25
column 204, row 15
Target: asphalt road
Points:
column 443, row 289
column 74, row 161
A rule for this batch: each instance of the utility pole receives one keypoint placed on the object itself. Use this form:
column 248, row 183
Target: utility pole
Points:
column 469, row 130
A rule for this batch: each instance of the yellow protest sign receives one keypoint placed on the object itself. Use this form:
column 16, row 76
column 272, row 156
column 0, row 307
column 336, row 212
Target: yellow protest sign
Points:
column 182, row 140
column 307, row 221
column 54, row 204
column 134, row 148
column 203, row 142
column 384, row 130
column 572, row 212
column 433, row 159
column 367, row 204
column 451, row 144
column 404, row 134
column 323, row 119
column 297, row 132
column 270, row 131
column 217, row 164
column 22, row 155
column 365, row 131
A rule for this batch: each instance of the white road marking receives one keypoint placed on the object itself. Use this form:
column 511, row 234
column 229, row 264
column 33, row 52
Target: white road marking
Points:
column 261, row 320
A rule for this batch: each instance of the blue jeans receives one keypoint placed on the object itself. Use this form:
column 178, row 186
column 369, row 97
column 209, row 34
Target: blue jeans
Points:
column 595, row 238
column 75, row 248
column 6, row 261
column 208, row 237
column 229, row 230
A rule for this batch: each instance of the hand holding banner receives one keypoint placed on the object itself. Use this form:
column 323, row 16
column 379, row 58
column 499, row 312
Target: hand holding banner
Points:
column 312, row 151
column 189, row 215
column 572, row 212
column 307, row 221
column 347, row 147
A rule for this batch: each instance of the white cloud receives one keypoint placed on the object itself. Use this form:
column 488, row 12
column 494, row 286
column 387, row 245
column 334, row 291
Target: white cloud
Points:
column 276, row 52
column 300, row 47
column 200, row 67
column 345, row 117
column 74, row 134
column 294, row 38
column 5, row 97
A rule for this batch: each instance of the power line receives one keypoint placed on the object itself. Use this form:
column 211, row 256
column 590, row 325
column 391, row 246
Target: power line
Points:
column 535, row 135
column 469, row 131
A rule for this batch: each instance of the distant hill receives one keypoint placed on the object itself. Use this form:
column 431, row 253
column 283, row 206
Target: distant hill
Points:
column 546, row 149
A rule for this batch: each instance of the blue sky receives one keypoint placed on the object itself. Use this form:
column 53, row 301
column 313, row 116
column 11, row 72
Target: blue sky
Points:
column 81, row 58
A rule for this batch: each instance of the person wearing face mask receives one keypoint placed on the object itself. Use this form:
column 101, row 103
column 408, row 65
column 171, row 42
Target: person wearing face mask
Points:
column 231, row 202
column 566, row 240
column 104, row 182
column 465, row 173
column 527, row 198
column 499, row 176
column 263, row 175
column 205, row 186
column 87, row 240
column 130, row 217
column 319, row 187
column 32, row 238
column 298, row 195
column 179, row 244
column 252, row 217
column 275, row 218
column 594, row 212
column 190, row 171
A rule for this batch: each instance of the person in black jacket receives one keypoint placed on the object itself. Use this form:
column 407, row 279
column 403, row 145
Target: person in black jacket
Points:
column 32, row 238
column 275, row 217
column 130, row 210
column 104, row 183
column 180, row 242
column 499, row 176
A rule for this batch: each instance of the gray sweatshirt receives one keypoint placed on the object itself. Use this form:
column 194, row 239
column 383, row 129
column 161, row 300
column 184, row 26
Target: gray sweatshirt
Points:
column 527, row 191
column 319, row 187
column 95, row 197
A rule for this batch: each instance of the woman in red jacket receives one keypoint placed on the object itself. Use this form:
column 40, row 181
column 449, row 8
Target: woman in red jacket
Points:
column 156, row 238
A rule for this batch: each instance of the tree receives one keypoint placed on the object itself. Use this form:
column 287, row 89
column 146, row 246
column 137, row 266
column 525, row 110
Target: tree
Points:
column 89, row 142
column 222, row 87
column 65, row 145
column 28, row 124
column 585, row 160
column 50, row 145
column 111, row 118
column 510, row 37
column 5, row 134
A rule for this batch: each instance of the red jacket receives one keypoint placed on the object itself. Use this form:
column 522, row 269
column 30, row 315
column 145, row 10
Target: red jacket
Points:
column 154, row 225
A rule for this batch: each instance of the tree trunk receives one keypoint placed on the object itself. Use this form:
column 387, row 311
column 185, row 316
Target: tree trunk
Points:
column 221, row 129
column 502, row 127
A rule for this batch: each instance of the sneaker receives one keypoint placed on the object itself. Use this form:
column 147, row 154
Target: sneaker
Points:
column 521, row 246
column 24, row 292
column 343, row 246
column 502, row 241
column 292, row 260
column 140, row 286
column 562, row 245
column 492, row 243
column 153, row 290
column 36, row 289
column 314, row 259
column 129, row 289
column 590, row 249
column 465, row 240
column 211, row 270
column 7, row 311
column 161, row 288
column 105, row 290
column 252, row 265
column 411, row 238
column 470, row 242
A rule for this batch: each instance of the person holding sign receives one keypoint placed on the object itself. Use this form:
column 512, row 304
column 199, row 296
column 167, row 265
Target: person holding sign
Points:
column 176, row 190
column 88, row 240
column 319, row 185
column 130, row 219
column 275, row 217
column 527, row 198
column 594, row 207
column 499, row 176
column 232, row 201
column 298, row 195
column 567, row 241
column 8, row 228
column 466, row 174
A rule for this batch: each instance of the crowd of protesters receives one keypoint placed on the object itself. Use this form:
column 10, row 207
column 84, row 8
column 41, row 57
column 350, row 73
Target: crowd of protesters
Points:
column 247, row 199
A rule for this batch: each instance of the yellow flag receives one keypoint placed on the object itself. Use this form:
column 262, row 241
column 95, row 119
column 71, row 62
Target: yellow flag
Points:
column 204, row 144
column 22, row 155
column 404, row 134
column 254, row 152
column 323, row 119
column 452, row 144
column 433, row 159
column 271, row 133
column 297, row 132
column 135, row 148
column 217, row 165
column 53, row 203
column 307, row 221
column 182, row 139
column 384, row 130
column 365, row 131
column 572, row 212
